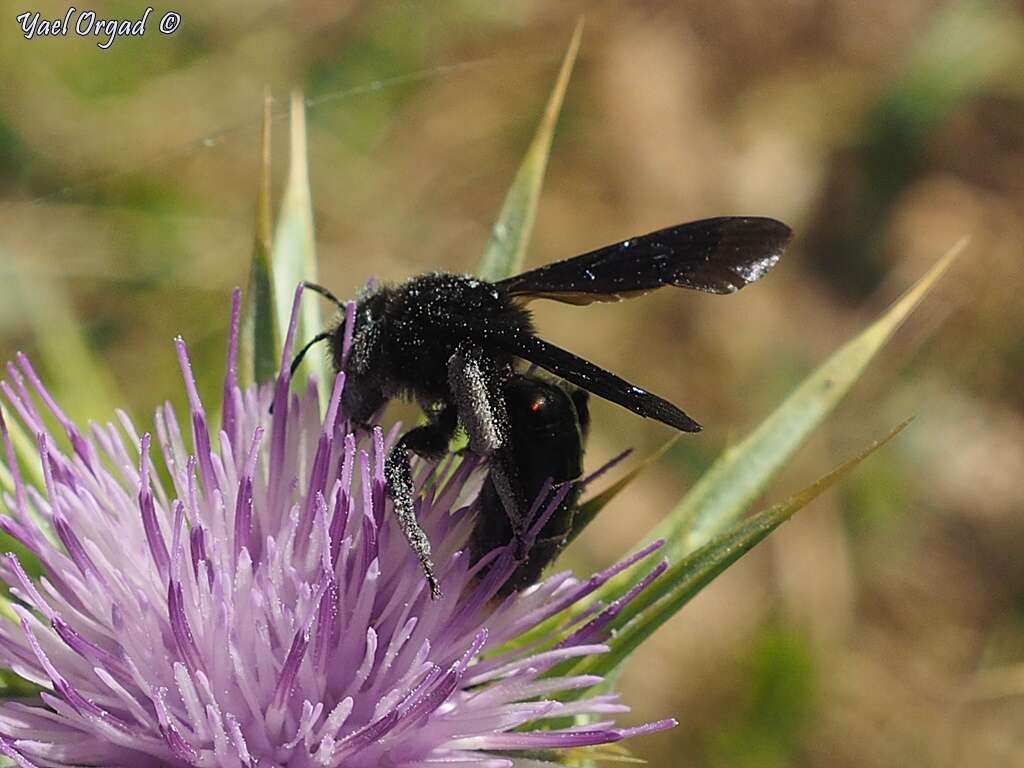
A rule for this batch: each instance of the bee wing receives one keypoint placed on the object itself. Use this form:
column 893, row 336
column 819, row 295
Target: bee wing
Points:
column 586, row 375
column 718, row 255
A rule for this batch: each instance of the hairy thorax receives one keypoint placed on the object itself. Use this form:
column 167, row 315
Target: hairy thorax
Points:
column 430, row 316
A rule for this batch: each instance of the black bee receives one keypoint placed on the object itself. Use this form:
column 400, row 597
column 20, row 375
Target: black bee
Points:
column 548, row 424
column 449, row 342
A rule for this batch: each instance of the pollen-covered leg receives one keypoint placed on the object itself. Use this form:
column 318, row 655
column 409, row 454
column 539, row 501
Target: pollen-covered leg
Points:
column 476, row 385
column 428, row 441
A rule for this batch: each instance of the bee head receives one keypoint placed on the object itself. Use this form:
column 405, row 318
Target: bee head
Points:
column 355, row 350
column 362, row 359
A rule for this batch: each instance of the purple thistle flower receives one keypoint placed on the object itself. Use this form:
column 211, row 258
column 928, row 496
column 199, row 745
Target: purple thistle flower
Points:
column 263, row 608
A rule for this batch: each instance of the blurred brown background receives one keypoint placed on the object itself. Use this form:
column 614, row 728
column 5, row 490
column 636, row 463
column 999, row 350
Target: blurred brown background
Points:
column 885, row 625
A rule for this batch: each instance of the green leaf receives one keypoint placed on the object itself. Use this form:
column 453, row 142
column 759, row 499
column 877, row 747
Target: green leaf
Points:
column 74, row 374
column 25, row 451
column 26, row 456
column 78, row 381
column 294, row 252
column 6, row 611
column 739, row 475
column 260, row 345
column 6, row 479
column 14, row 687
column 686, row 578
column 506, row 249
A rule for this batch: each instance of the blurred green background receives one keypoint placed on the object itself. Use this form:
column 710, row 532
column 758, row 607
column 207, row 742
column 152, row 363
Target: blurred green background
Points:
column 885, row 625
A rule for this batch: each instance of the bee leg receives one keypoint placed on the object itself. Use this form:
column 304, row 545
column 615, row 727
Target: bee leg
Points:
column 429, row 441
column 475, row 382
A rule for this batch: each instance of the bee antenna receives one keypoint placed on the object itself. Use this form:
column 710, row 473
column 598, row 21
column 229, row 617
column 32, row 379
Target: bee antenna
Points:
column 325, row 293
column 322, row 336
